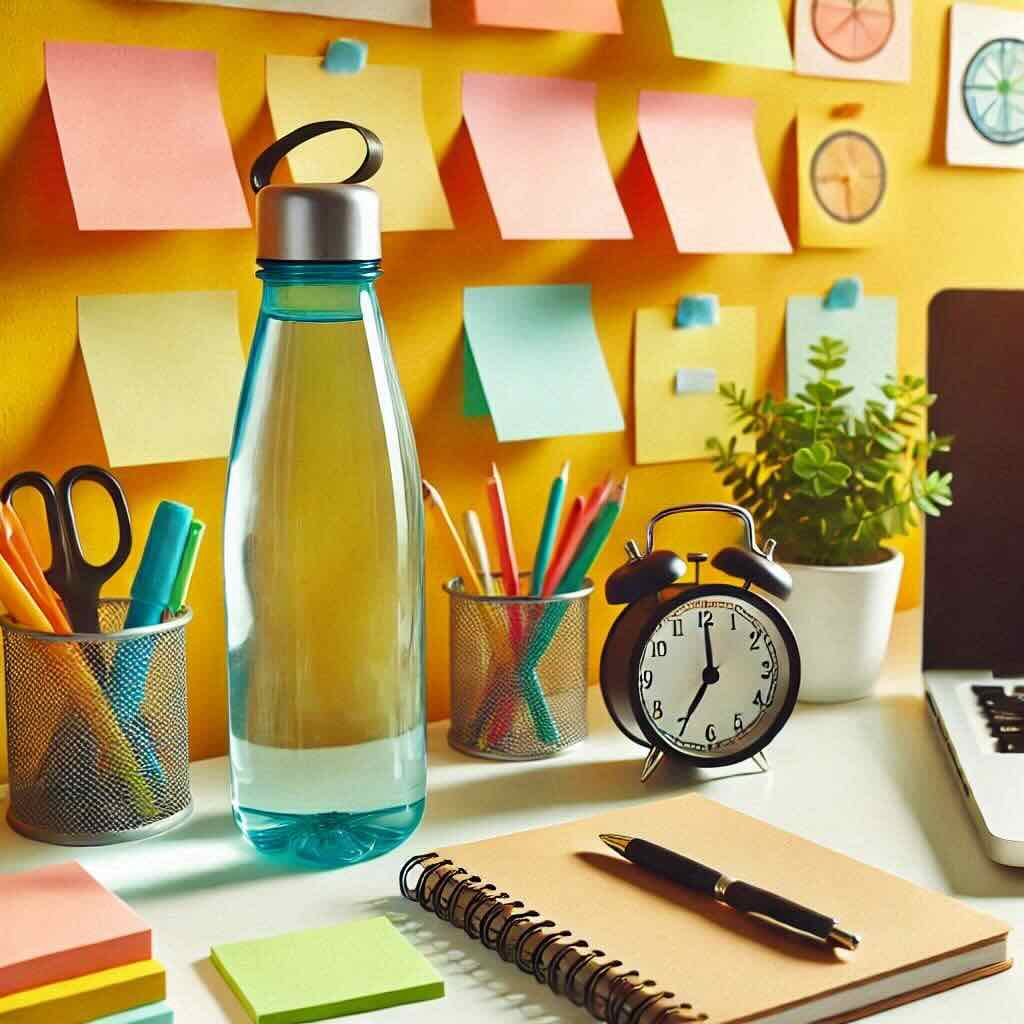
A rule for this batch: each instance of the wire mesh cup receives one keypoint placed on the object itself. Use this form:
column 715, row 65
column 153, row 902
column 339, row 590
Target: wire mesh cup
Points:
column 97, row 730
column 518, row 673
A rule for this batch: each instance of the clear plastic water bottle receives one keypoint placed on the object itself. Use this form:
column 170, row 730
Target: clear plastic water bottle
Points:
column 323, row 539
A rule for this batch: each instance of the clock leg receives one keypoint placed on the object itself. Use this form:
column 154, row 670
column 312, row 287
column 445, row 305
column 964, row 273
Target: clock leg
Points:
column 654, row 758
column 761, row 761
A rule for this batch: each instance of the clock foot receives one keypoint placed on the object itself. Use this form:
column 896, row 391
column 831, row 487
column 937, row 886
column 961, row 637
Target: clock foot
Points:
column 761, row 761
column 654, row 758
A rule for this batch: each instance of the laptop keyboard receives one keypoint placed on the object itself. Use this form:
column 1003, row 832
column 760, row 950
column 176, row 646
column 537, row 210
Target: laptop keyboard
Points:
column 1004, row 716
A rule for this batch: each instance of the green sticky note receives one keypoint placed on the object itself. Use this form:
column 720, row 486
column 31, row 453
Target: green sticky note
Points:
column 870, row 329
column 474, row 401
column 539, row 362
column 326, row 972
column 730, row 32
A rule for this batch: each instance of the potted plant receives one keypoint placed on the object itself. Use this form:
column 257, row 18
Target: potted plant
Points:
column 831, row 487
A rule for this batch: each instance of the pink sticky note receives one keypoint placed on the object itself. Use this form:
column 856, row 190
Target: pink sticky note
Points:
column 541, row 157
column 60, row 923
column 143, row 138
column 566, row 15
column 703, row 153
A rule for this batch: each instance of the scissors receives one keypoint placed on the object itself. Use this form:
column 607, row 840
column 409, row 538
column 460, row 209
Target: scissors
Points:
column 75, row 579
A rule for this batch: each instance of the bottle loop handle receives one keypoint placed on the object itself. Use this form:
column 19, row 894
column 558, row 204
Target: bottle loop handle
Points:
column 264, row 165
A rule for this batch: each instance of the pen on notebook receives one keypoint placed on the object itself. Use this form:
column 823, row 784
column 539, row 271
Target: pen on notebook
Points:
column 478, row 546
column 741, row 896
column 552, row 514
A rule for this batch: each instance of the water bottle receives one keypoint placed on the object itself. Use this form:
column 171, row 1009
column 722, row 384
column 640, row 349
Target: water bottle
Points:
column 323, row 539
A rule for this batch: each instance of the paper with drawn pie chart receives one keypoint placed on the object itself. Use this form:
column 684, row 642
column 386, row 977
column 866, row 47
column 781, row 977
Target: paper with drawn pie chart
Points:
column 867, row 40
column 985, row 119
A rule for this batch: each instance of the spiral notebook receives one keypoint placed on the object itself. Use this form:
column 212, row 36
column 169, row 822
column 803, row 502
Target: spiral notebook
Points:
column 634, row 949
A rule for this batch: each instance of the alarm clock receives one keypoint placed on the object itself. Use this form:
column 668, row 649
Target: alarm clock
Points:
column 702, row 673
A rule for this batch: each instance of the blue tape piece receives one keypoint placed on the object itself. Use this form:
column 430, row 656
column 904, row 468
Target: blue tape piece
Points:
column 846, row 293
column 345, row 57
column 697, row 381
column 698, row 311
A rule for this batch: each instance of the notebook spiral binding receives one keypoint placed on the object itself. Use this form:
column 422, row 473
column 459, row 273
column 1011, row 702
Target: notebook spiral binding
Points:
column 565, row 964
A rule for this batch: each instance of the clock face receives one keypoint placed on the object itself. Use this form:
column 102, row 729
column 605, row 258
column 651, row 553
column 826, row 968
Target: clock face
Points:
column 993, row 91
column 848, row 176
column 853, row 30
column 718, row 675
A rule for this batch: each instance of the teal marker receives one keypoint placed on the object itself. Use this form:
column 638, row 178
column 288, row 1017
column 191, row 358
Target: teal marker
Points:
column 161, row 559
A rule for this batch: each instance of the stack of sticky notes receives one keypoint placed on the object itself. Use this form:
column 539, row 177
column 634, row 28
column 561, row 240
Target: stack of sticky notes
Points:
column 326, row 972
column 71, row 952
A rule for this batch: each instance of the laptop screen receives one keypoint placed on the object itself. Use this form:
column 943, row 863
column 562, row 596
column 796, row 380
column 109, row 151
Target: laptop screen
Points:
column 974, row 554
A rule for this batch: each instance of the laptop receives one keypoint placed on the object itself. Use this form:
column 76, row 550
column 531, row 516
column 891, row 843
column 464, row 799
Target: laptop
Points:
column 973, row 650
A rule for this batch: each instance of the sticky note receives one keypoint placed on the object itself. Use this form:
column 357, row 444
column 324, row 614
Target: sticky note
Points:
column 60, row 923
column 565, row 15
column 698, row 311
column 388, row 100
column 729, row 32
column 697, row 381
column 326, row 972
column 87, row 998
column 717, row 198
column 985, row 116
column 541, row 157
column 864, row 40
column 847, row 185
column 870, row 330
column 154, row 1013
column 165, row 370
column 345, row 56
column 143, row 138
column 536, row 354
column 415, row 13
column 673, row 427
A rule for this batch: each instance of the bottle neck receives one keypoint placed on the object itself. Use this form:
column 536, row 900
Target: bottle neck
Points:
column 317, row 291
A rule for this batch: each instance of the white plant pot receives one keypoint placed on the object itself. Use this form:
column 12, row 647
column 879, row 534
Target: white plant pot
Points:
column 842, row 616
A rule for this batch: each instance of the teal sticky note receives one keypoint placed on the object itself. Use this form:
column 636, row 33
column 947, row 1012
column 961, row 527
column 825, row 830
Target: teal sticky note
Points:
column 326, row 972
column 474, row 401
column 345, row 57
column 540, row 362
column 154, row 1013
column 870, row 330
column 846, row 293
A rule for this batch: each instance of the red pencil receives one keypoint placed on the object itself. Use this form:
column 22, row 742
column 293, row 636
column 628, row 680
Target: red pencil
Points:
column 567, row 543
column 503, row 531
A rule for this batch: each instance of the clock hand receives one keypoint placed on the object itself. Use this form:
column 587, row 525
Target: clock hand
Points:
column 711, row 667
column 693, row 705
column 709, row 677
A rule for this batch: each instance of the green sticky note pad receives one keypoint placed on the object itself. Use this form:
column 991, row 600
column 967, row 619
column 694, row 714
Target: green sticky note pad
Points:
column 326, row 972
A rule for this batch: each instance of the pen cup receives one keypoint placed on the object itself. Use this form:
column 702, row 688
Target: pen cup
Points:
column 518, row 673
column 97, row 730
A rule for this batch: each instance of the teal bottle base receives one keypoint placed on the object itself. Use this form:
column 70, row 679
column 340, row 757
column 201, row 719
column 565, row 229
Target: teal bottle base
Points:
column 329, row 840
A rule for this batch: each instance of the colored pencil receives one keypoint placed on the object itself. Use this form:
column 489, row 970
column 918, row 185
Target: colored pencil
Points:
column 594, row 503
column 16, row 548
column 594, row 540
column 552, row 514
column 432, row 498
column 503, row 531
column 478, row 547
column 570, row 537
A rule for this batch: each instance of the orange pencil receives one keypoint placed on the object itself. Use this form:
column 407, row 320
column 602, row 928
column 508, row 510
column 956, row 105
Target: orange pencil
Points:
column 570, row 542
column 567, row 542
column 503, row 530
column 16, row 549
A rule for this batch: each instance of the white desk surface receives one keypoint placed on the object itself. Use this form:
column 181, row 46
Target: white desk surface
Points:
column 868, row 779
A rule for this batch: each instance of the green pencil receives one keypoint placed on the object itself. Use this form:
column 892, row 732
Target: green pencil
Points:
column 594, row 540
column 547, row 532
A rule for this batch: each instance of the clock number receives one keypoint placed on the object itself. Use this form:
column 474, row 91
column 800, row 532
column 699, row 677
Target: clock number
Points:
column 659, row 648
column 657, row 711
column 710, row 734
column 759, row 701
column 677, row 627
column 737, row 723
column 767, row 673
column 733, row 627
column 705, row 619
column 647, row 679
column 755, row 641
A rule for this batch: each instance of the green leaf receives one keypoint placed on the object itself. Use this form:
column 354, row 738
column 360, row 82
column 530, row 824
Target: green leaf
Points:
column 837, row 472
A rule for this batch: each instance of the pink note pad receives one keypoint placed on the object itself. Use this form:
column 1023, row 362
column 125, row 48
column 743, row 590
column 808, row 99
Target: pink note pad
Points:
column 143, row 138
column 703, row 152
column 541, row 157
column 566, row 15
column 58, row 922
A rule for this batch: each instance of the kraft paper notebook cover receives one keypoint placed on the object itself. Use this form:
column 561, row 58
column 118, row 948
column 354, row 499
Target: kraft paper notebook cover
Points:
column 60, row 923
column 729, row 966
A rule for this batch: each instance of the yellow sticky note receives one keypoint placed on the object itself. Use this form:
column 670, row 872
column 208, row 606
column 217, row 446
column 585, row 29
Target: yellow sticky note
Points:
column 87, row 998
column 165, row 371
column 671, row 425
column 387, row 100
column 846, row 182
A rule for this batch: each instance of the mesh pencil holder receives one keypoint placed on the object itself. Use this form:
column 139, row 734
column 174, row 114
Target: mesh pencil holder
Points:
column 518, row 673
column 97, row 730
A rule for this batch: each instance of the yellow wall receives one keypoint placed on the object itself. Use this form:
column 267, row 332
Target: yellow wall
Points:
column 957, row 227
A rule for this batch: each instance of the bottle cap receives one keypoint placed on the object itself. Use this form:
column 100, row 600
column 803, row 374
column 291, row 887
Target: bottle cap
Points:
column 319, row 222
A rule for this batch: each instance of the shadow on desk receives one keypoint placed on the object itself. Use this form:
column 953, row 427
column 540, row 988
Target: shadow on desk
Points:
column 910, row 749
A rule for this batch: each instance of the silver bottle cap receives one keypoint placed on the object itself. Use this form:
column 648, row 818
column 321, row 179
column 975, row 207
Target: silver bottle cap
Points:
column 325, row 222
